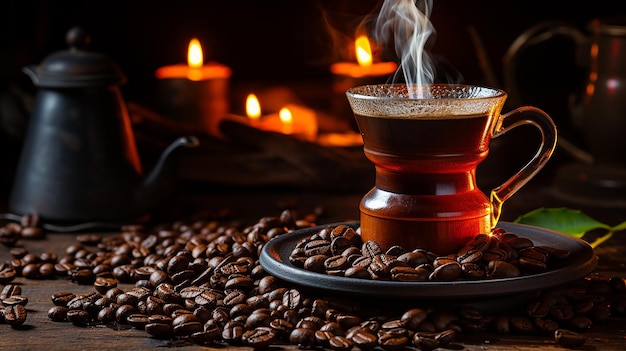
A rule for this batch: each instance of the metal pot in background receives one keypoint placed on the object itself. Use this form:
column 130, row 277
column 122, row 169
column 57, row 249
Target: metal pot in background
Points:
column 79, row 160
column 598, row 112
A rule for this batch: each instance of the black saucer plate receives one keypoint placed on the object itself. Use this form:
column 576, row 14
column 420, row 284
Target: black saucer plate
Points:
column 582, row 260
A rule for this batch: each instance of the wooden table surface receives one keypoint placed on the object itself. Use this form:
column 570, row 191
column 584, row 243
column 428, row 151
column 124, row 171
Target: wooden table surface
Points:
column 41, row 333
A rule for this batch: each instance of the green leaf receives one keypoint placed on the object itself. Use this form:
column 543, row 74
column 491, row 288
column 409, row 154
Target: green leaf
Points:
column 568, row 221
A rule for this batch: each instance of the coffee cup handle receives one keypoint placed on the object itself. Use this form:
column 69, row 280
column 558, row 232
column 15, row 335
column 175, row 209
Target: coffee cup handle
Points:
column 515, row 118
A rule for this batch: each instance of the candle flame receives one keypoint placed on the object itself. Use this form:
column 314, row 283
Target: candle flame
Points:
column 363, row 51
column 194, row 54
column 253, row 108
column 285, row 115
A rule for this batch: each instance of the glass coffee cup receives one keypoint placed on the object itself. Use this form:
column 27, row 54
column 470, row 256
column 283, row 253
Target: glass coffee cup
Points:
column 426, row 143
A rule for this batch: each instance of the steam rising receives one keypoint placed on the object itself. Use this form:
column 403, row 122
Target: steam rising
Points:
column 405, row 25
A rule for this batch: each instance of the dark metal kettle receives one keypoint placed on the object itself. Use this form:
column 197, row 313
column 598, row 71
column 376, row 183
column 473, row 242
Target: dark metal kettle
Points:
column 79, row 160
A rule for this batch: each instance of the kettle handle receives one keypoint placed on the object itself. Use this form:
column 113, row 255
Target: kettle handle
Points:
column 31, row 72
column 534, row 35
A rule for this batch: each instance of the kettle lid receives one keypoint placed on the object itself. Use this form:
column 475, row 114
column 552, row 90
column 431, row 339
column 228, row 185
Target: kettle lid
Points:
column 76, row 67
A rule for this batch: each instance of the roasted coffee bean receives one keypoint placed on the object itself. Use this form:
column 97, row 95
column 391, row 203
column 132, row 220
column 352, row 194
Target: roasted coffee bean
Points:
column 395, row 324
column 33, row 233
column 391, row 340
column 259, row 337
column 15, row 315
column 102, row 284
column 123, row 312
column 364, row 340
column 322, row 337
column 357, row 272
column 315, row 263
column 412, row 318
column 259, row 318
column 347, row 321
column 347, row 232
column 64, row 269
column 448, row 271
column 481, row 242
column 302, row 337
column 534, row 253
column 441, row 260
column 532, row 265
column 282, row 327
column 569, row 338
column 502, row 269
column 58, row 313
column 47, row 270
column 83, row 276
column 62, row 298
column 104, row 314
column 77, row 317
column 406, row 274
column 317, row 247
column 206, row 299
column 233, row 332
column 187, row 328
column 370, row 249
column 445, row 337
column 473, row 271
column 89, row 239
column 469, row 255
column 159, row 330
column 340, row 343
column 425, row 342
column 337, row 262
column 10, row 290
column 31, row 271
column 204, row 337
column 292, row 299
column 413, row 259
column 339, row 244
column 362, row 261
column 138, row 321
column 333, row 327
column 15, row 300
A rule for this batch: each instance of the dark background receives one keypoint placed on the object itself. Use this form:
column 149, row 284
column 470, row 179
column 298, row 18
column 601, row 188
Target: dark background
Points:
column 262, row 40
column 289, row 42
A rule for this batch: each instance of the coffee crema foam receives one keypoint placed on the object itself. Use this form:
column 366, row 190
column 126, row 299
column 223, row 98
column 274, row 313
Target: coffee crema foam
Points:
column 426, row 102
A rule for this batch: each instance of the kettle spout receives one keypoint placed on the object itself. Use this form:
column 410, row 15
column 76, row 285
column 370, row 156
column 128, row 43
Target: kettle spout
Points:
column 159, row 183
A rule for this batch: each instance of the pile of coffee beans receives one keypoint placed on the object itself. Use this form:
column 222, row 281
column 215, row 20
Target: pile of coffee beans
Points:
column 339, row 251
column 13, row 305
column 201, row 282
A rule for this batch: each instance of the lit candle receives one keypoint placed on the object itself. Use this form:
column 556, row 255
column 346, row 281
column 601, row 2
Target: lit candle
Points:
column 286, row 120
column 292, row 119
column 253, row 109
column 196, row 93
column 365, row 67
column 350, row 74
